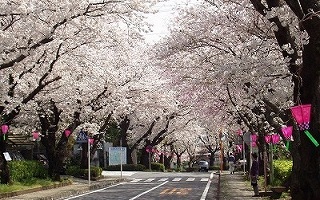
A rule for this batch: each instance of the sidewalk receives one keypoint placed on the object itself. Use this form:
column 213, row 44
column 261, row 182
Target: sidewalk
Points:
column 233, row 186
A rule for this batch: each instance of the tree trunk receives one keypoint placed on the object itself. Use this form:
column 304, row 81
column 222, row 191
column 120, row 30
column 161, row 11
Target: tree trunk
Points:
column 178, row 161
column 144, row 159
column 211, row 159
column 129, row 155
column 305, row 174
column 167, row 162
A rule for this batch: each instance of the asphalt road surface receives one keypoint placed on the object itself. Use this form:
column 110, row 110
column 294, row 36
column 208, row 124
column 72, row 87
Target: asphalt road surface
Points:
column 158, row 186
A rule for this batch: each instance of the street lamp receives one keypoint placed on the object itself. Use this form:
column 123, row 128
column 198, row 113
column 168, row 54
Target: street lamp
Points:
column 90, row 141
column 222, row 138
column 240, row 133
column 4, row 130
column 150, row 150
column 272, row 140
column 36, row 137
column 67, row 132
column 302, row 114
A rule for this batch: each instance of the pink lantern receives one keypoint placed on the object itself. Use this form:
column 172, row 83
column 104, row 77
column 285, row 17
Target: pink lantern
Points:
column 35, row 135
column 239, row 132
column 239, row 148
column 287, row 132
column 302, row 115
column 91, row 140
column 275, row 138
column 67, row 132
column 268, row 138
column 254, row 144
column 4, row 129
column 149, row 149
column 254, row 138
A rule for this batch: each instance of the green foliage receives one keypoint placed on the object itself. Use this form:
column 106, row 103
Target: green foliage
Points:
column 75, row 160
column 94, row 172
column 27, row 170
column 76, row 171
column 27, row 184
column 282, row 170
column 126, row 167
column 113, row 133
column 191, row 169
column 159, row 167
column 214, row 168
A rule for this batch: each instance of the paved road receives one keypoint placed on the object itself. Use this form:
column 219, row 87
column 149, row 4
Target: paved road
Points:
column 156, row 186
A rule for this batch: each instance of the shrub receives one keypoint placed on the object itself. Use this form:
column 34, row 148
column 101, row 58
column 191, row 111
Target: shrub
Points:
column 214, row 168
column 126, row 167
column 282, row 171
column 26, row 170
column 191, row 169
column 76, row 171
column 159, row 167
column 94, row 172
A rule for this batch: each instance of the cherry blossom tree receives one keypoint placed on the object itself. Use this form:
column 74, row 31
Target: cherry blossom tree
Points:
column 256, row 55
column 50, row 53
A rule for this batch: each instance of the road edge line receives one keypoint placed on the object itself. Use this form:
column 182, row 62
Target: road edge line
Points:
column 206, row 189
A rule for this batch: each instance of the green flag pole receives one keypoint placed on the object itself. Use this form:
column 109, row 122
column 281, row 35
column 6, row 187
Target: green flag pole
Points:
column 313, row 140
column 287, row 144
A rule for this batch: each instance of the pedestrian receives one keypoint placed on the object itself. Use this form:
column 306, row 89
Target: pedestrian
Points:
column 254, row 174
column 231, row 162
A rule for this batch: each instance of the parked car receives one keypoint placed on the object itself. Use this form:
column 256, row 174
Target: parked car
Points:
column 203, row 166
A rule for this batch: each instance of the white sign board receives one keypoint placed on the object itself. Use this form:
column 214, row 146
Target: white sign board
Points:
column 117, row 155
column 7, row 156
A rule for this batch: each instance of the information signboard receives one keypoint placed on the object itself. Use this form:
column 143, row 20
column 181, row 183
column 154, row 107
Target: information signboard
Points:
column 117, row 155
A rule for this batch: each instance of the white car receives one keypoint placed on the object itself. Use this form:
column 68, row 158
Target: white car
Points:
column 203, row 166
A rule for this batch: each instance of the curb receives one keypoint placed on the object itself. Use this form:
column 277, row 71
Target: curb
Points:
column 218, row 186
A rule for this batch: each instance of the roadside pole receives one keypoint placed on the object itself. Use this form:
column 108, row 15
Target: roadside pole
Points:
column 89, row 161
column 121, row 154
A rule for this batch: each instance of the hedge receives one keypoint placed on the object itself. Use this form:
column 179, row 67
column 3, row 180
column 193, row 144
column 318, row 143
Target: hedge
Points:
column 26, row 169
column 282, row 171
column 76, row 171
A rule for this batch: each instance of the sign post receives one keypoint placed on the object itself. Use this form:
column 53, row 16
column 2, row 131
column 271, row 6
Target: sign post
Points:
column 89, row 161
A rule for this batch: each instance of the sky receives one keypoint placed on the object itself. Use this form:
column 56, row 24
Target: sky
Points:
column 161, row 20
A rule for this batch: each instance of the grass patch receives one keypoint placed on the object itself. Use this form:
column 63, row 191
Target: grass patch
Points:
column 25, row 185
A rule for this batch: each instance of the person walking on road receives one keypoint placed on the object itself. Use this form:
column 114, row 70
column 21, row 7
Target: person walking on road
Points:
column 254, row 174
column 231, row 162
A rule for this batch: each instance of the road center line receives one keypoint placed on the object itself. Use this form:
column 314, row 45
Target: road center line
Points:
column 145, row 192
column 205, row 192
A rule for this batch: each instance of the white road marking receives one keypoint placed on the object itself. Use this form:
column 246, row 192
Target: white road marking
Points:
column 205, row 192
column 136, row 180
column 139, row 195
column 176, row 179
column 163, row 179
column 93, row 191
column 204, row 179
column 117, row 173
column 149, row 180
column 190, row 179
